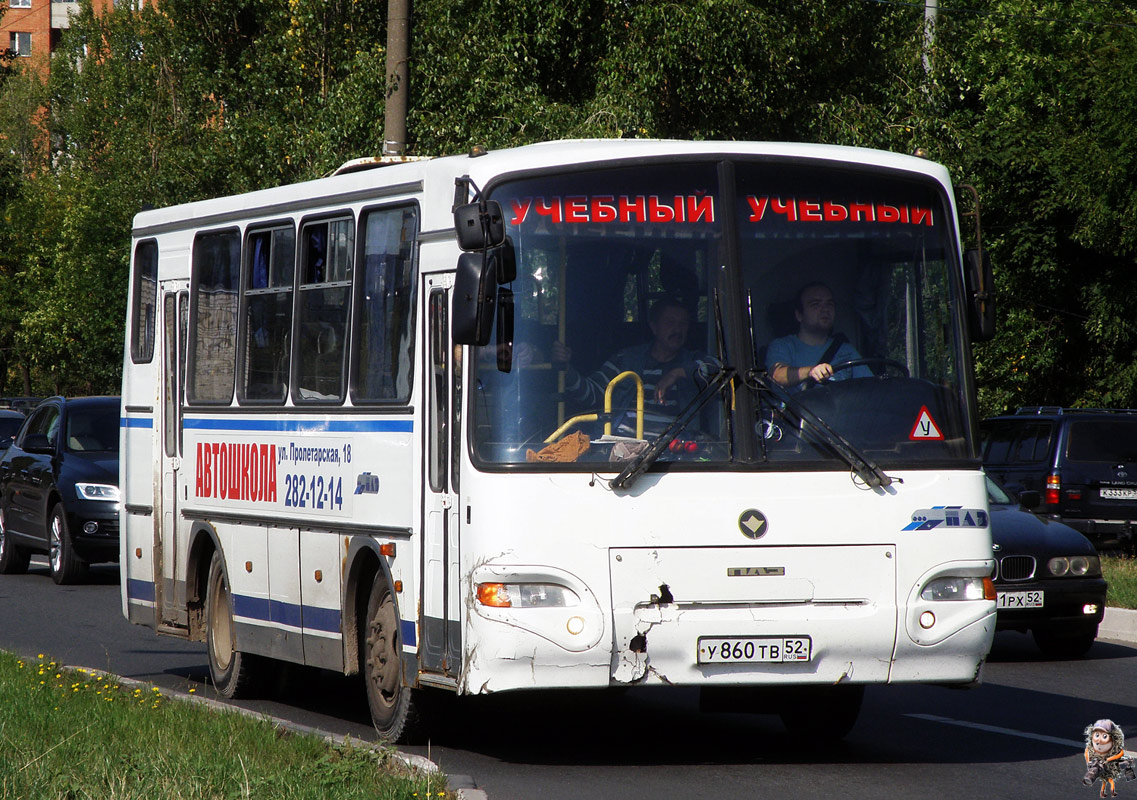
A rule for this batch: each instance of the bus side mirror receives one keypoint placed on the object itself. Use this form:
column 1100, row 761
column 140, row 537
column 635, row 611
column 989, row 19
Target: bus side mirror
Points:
column 479, row 225
column 980, row 295
column 475, row 289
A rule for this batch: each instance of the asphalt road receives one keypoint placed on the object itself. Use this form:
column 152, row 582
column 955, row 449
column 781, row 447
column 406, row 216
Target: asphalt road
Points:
column 1018, row 735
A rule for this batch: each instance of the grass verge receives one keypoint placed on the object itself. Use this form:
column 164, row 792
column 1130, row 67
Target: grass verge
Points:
column 71, row 734
column 1121, row 574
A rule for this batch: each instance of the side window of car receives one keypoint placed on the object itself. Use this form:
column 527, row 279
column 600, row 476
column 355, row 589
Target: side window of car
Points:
column 997, row 444
column 44, row 421
column 1034, row 443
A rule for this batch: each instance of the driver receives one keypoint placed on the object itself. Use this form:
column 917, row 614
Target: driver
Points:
column 664, row 364
column 812, row 351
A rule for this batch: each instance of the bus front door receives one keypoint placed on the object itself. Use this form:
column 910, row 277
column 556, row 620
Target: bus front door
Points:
column 441, row 646
column 175, row 316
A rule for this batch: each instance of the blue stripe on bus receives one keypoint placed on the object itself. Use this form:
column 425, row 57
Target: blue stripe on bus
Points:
column 317, row 619
column 407, row 629
column 307, row 617
column 136, row 422
column 140, row 590
column 301, row 425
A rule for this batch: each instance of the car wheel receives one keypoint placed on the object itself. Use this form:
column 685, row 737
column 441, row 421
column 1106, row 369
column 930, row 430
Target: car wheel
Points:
column 13, row 560
column 233, row 672
column 1058, row 644
column 66, row 567
column 394, row 706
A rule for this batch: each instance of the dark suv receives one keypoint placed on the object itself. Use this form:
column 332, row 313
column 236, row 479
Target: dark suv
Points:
column 1081, row 461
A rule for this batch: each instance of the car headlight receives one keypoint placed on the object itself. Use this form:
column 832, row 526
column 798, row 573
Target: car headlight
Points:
column 957, row 588
column 1074, row 566
column 526, row 595
column 97, row 491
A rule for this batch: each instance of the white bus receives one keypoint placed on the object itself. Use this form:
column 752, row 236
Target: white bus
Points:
column 350, row 443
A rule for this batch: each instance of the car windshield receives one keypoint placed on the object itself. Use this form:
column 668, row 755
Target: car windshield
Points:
column 92, row 428
column 636, row 285
column 9, row 427
column 996, row 495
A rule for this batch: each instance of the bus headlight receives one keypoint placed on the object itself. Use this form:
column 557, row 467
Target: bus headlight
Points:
column 526, row 595
column 958, row 588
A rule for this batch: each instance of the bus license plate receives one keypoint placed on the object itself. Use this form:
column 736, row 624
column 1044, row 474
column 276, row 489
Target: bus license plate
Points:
column 750, row 649
column 1019, row 600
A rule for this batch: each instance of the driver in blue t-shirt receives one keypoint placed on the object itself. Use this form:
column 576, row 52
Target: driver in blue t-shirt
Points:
column 792, row 360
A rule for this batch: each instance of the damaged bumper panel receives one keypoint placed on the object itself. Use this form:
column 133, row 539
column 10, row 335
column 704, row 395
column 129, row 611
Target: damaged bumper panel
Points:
column 534, row 626
column 676, row 609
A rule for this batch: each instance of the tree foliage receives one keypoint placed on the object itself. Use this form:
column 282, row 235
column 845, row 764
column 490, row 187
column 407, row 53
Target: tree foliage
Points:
column 198, row 98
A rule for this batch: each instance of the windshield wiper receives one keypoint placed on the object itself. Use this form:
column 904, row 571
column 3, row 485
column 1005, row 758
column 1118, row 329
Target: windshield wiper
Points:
column 866, row 469
column 641, row 463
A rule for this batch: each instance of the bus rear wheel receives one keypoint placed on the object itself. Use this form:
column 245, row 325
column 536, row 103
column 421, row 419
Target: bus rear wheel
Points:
column 394, row 706
column 231, row 670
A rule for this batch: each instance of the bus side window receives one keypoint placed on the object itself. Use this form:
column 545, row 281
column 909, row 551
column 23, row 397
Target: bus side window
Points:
column 145, row 301
column 385, row 306
column 216, row 280
column 321, row 325
column 267, row 317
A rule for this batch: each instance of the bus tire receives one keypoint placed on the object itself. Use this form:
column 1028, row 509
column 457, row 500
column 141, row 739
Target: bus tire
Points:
column 66, row 566
column 394, row 705
column 231, row 670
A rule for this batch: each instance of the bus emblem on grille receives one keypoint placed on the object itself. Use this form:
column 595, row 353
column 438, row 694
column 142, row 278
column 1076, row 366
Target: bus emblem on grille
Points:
column 752, row 523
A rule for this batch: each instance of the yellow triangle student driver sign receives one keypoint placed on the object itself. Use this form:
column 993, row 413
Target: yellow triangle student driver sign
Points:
column 925, row 428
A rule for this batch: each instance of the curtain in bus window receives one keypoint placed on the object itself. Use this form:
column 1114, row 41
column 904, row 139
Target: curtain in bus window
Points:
column 322, row 310
column 145, row 300
column 268, row 314
column 384, row 344
column 216, row 278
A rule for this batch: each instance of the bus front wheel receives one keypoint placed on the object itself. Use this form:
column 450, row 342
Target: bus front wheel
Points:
column 231, row 670
column 394, row 705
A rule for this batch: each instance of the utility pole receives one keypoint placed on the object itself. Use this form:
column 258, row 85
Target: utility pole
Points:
column 931, row 9
column 398, row 77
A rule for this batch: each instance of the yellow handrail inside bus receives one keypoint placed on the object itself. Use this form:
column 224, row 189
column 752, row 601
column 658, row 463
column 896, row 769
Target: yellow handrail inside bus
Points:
column 552, row 437
column 639, row 402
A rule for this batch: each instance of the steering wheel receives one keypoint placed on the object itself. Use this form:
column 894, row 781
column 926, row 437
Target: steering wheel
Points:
column 864, row 362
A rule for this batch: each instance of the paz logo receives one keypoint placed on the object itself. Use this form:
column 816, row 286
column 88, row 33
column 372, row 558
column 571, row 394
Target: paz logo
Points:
column 752, row 523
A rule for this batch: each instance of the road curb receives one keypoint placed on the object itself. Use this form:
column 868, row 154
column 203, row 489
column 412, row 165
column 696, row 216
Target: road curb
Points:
column 461, row 785
column 1119, row 624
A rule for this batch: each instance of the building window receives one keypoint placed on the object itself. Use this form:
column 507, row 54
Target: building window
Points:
column 20, row 44
column 20, row 3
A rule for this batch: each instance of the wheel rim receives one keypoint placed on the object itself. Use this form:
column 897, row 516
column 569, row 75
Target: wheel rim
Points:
column 382, row 654
column 56, row 544
column 3, row 537
column 220, row 630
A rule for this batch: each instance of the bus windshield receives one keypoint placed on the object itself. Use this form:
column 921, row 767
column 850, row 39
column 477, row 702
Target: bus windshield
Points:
column 638, row 286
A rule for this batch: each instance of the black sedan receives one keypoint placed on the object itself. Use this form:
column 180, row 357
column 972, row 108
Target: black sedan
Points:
column 59, row 487
column 1048, row 577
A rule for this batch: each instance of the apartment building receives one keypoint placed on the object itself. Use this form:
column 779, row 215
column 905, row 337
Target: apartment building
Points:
column 30, row 28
